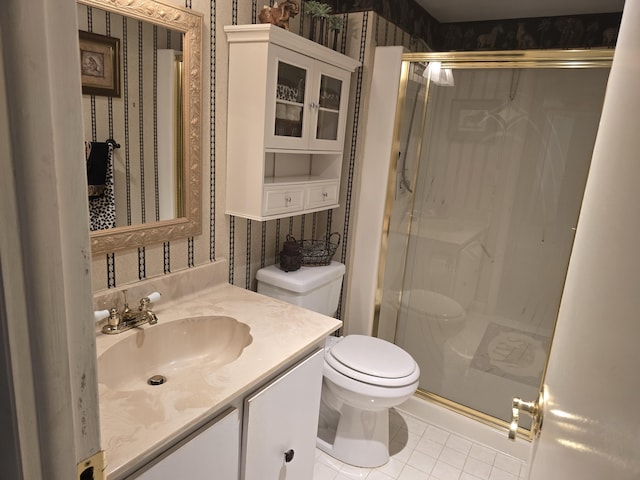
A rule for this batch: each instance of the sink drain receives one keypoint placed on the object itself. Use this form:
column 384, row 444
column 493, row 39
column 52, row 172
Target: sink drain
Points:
column 157, row 380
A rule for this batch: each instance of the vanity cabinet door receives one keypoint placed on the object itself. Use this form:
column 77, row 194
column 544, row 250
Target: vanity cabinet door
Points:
column 212, row 453
column 281, row 424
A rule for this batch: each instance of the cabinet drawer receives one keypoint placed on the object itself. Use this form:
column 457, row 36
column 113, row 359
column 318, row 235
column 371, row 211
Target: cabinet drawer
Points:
column 322, row 194
column 280, row 200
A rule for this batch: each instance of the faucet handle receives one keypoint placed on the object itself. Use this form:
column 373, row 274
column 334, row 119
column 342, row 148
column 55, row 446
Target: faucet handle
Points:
column 154, row 297
column 100, row 314
column 149, row 299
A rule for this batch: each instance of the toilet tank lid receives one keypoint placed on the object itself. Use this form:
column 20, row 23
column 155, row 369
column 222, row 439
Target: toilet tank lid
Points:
column 302, row 280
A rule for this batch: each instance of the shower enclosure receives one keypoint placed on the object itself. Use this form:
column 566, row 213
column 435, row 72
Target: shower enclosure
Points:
column 492, row 152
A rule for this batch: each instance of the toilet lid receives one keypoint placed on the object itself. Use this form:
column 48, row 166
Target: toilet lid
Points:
column 373, row 360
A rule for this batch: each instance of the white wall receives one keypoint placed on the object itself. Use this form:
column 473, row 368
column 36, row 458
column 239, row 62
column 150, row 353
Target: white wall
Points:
column 368, row 227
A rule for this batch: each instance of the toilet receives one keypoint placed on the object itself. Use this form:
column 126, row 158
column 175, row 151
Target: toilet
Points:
column 363, row 376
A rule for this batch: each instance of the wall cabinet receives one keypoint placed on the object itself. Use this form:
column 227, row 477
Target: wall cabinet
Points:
column 287, row 112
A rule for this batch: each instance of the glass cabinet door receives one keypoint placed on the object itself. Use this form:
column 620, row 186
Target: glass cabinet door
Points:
column 310, row 104
column 290, row 94
column 328, row 108
column 328, row 115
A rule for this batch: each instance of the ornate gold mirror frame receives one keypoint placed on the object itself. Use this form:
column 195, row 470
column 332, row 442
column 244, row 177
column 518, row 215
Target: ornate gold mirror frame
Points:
column 189, row 23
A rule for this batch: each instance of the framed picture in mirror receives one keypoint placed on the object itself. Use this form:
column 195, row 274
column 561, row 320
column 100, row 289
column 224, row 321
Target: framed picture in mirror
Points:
column 100, row 64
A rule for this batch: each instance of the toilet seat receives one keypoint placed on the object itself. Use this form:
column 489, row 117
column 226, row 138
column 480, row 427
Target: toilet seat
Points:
column 373, row 361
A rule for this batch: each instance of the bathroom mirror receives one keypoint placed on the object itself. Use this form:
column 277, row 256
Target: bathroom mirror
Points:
column 160, row 57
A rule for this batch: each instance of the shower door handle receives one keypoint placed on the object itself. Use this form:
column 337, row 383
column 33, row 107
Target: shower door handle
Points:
column 535, row 409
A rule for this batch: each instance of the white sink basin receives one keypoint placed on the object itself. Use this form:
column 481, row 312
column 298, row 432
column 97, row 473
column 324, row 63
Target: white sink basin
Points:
column 168, row 349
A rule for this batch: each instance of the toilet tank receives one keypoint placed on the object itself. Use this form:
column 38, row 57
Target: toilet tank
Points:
column 314, row 288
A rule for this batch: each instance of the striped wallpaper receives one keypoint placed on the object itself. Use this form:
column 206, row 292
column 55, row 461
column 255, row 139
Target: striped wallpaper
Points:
column 248, row 245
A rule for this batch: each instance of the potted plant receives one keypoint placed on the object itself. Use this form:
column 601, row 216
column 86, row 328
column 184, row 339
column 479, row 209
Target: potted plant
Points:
column 335, row 26
column 322, row 21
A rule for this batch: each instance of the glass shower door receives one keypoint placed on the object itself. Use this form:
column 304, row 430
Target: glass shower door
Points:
column 490, row 179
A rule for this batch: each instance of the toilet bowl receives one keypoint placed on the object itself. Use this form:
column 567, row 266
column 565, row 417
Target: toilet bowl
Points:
column 363, row 376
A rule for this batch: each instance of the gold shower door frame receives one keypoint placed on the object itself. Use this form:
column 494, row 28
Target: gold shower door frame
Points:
column 516, row 59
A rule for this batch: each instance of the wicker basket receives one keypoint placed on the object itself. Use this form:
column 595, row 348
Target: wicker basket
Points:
column 317, row 253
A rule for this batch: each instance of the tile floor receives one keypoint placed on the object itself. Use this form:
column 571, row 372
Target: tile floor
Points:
column 420, row 451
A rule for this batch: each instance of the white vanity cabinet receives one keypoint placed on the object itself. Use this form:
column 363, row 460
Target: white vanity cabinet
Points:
column 275, row 439
column 287, row 112
column 281, row 423
column 212, row 453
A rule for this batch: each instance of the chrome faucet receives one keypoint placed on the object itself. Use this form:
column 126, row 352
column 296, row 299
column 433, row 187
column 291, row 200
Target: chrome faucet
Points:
column 119, row 322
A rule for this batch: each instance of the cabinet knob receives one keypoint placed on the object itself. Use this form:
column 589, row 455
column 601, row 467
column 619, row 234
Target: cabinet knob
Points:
column 325, row 195
column 287, row 199
column 288, row 455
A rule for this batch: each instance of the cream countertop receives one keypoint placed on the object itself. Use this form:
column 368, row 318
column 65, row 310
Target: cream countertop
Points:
column 139, row 424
